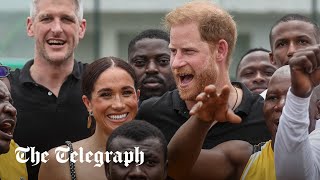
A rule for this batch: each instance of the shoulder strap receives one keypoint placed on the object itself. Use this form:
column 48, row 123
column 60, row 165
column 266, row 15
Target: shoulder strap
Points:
column 71, row 164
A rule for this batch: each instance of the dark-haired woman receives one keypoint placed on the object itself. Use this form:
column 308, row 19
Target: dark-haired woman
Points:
column 111, row 97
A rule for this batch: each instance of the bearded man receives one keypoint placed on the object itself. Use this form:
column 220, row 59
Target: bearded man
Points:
column 202, row 38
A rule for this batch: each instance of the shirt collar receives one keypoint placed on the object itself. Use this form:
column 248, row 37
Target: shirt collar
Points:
column 179, row 105
column 245, row 105
column 247, row 98
column 25, row 76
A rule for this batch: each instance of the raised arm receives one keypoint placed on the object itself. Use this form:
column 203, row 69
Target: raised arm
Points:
column 185, row 146
column 296, row 155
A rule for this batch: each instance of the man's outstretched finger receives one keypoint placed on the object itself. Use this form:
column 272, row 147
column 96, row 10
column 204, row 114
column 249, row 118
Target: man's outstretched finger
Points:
column 201, row 97
column 225, row 92
column 211, row 91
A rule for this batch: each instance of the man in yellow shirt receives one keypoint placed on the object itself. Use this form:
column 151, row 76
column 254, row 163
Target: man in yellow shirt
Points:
column 10, row 168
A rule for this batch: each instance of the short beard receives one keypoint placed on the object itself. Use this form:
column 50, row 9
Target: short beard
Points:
column 206, row 77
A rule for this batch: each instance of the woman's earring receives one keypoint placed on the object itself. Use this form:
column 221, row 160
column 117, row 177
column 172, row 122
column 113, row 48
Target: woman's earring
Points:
column 89, row 119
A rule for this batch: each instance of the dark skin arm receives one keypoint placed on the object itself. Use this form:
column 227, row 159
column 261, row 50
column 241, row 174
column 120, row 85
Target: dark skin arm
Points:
column 188, row 161
column 225, row 161
column 305, row 71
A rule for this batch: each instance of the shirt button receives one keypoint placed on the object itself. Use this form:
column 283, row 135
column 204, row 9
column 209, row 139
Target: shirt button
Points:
column 49, row 93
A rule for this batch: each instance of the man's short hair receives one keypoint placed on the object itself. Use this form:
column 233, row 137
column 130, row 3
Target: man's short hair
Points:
column 150, row 34
column 249, row 52
column 138, row 130
column 296, row 17
column 214, row 23
column 78, row 10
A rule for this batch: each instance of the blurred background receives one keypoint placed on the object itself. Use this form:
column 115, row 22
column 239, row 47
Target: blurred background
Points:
column 111, row 24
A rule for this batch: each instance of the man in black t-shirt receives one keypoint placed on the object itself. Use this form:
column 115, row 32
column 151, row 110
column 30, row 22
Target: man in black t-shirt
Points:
column 202, row 38
column 46, row 91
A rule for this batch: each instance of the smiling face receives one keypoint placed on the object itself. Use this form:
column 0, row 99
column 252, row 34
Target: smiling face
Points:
column 153, row 168
column 7, row 118
column 150, row 59
column 275, row 100
column 56, row 30
column 191, row 61
column 288, row 37
column 255, row 71
column 114, row 99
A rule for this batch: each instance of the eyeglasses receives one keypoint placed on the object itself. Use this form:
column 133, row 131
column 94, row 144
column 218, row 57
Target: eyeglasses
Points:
column 4, row 71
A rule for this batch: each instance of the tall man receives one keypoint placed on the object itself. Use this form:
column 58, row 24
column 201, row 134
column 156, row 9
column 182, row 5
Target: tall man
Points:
column 202, row 38
column 290, row 33
column 46, row 91
column 149, row 55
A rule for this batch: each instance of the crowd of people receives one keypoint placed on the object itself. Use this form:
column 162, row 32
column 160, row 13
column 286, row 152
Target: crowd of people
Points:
column 173, row 99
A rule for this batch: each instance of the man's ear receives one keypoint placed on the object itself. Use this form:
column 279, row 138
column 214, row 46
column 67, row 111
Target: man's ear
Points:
column 82, row 28
column 272, row 61
column 30, row 27
column 222, row 50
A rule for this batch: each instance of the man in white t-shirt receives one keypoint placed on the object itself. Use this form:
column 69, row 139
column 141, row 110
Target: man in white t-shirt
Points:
column 297, row 153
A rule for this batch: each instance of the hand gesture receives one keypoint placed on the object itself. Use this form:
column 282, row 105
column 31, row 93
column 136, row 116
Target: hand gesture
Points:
column 212, row 106
column 305, row 70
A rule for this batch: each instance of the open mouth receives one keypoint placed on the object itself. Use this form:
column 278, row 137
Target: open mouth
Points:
column 6, row 129
column 185, row 78
column 55, row 42
column 118, row 117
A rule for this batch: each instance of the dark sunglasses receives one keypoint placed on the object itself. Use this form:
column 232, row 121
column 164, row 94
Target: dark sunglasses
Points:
column 4, row 71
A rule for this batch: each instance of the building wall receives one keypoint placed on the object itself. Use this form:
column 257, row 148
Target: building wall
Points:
column 121, row 20
column 119, row 29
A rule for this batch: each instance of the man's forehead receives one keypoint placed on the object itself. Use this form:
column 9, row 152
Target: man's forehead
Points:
column 298, row 26
column 51, row 6
column 147, row 40
column 275, row 81
column 56, row 2
column 280, row 76
column 256, row 55
column 148, row 44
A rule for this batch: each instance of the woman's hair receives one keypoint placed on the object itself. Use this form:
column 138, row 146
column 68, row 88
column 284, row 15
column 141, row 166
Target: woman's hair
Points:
column 95, row 69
